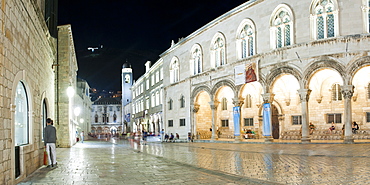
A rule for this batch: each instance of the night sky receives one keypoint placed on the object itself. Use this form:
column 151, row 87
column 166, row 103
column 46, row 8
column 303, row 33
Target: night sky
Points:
column 131, row 30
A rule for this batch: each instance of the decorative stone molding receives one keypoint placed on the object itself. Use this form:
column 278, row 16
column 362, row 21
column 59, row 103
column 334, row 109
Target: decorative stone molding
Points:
column 347, row 91
column 268, row 97
column 196, row 108
column 214, row 104
column 238, row 102
column 304, row 94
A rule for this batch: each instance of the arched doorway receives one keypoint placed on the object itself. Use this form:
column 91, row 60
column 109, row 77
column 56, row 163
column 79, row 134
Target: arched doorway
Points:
column 275, row 122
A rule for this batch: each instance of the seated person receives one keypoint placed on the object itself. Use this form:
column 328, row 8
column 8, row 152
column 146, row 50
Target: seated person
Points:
column 311, row 127
column 355, row 127
column 332, row 127
column 249, row 134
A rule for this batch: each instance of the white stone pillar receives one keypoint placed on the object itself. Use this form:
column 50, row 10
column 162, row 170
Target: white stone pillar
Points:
column 304, row 95
column 268, row 98
column 238, row 102
column 214, row 108
column 193, row 128
column 347, row 92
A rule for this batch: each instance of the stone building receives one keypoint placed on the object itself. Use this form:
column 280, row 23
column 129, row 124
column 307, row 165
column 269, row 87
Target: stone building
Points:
column 127, row 81
column 297, row 61
column 27, row 66
column 106, row 116
column 84, row 104
column 147, row 101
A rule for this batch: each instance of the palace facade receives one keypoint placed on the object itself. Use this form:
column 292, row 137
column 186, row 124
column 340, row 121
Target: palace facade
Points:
column 307, row 60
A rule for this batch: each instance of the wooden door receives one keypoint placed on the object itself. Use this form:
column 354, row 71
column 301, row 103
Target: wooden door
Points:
column 275, row 122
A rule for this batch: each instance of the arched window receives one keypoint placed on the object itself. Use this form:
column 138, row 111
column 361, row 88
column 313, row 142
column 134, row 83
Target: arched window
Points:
column 174, row 70
column 114, row 118
column 157, row 98
column 196, row 61
column 21, row 119
column 182, row 102
column 246, row 40
column 324, row 16
column 96, row 118
column 153, row 100
column 218, row 51
column 44, row 117
column 248, row 101
column 170, row 104
column 281, row 27
column 336, row 92
column 224, row 104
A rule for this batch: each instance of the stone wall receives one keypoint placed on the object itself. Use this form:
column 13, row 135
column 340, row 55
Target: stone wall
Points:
column 27, row 55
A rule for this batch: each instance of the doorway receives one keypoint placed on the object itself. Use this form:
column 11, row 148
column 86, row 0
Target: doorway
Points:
column 275, row 122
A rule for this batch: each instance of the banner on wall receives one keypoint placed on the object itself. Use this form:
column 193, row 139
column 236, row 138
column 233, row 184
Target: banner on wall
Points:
column 236, row 112
column 267, row 119
column 246, row 73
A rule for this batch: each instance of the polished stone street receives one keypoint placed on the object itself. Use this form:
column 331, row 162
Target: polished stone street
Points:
column 125, row 162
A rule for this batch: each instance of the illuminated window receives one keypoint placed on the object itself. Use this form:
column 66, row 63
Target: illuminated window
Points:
column 174, row 71
column 196, row 59
column 281, row 27
column 246, row 39
column 218, row 51
column 21, row 119
column 336, row 92
column 324, row 16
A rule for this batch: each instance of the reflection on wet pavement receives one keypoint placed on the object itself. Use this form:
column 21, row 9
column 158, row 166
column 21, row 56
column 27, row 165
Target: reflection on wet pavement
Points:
column 127, row 162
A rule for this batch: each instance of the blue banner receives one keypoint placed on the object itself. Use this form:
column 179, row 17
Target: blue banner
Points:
column 267, row 119
column 236, row 111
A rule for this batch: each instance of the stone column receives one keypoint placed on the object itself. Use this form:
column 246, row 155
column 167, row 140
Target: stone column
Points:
column 304, row 95
column 238, row 102
column 193, row 118
column 347, row 92
column 214, row 108
column 268, row 98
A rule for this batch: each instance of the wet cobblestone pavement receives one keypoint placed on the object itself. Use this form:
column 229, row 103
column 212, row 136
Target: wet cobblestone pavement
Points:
column 124, row 162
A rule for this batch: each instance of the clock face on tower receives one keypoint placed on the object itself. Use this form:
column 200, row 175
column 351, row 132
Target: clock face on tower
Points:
column 127, row 79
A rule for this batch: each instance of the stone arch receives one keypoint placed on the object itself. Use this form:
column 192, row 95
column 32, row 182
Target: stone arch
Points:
column 221, row 83
column 199, row 89
column 277, row 71
column 355, row 66
column 320, row 64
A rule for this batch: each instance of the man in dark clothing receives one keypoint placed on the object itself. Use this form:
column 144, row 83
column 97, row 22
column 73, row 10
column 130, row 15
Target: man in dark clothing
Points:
column 50, row 138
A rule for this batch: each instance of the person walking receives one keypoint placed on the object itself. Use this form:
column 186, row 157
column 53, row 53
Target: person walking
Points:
column 82, row 135
column 50, row 138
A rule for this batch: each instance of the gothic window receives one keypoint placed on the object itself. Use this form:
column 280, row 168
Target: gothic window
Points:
column 114, row 118
column 324, row 15
column 174, row 71
column 281, row 27
column 336, row 92
column 196, row 59
column 224, row 104
column 21, row 119
column 153, row 100
column 182, row 102
column 246, row 39
column 248, row 101
column 170, row 104
column 96, row 118
column 218, row 50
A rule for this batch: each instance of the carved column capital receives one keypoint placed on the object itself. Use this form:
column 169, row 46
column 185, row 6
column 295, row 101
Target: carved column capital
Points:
column 268, row 97
column 238, row 102
column 304, row 94
column 347, row 91
column 214, row 104
column 196, row 108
